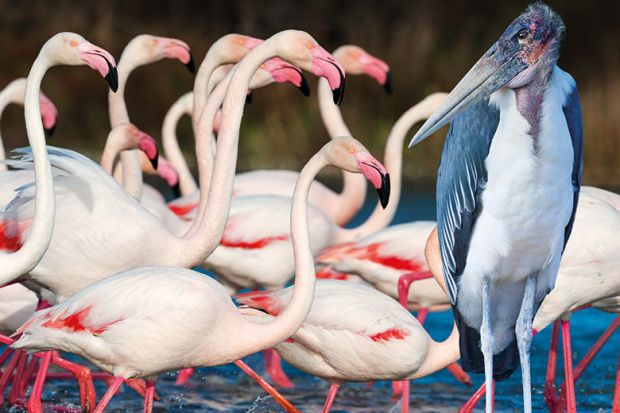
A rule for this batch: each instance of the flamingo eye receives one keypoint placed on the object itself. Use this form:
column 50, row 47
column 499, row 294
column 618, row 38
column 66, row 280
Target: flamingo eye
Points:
column 310, row 45
column 73, row 43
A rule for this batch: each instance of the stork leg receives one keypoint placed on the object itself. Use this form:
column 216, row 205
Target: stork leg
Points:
column 524, row 335
column 331, row 396
column 487, row 342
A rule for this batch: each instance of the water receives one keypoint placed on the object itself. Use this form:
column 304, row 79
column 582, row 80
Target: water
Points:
column 225, row 389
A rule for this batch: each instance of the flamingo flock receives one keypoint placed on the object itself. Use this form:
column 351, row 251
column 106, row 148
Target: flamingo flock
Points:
column 98, row 264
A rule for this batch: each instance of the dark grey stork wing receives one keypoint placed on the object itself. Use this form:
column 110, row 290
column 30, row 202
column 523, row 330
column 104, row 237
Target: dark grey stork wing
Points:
column 460, row 182
column 572, row 112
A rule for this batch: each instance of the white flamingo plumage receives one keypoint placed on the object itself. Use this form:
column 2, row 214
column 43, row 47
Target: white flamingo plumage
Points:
column 133, row 324
column 354, row 333
column 61, row 49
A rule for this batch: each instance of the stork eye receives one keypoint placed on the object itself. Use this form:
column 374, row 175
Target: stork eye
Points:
column 523, row 34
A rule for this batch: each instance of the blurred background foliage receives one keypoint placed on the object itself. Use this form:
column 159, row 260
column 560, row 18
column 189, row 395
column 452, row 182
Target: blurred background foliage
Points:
column 429, row 45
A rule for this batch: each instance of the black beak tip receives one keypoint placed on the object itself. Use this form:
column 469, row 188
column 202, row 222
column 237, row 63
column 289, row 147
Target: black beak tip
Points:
column 304, row 87
column 154, row 161
column 387, row 86
column 190, row 65
column 176, row 190
column 248, row 98
column 339, row 91
column 384, row 190
column 112, row 78
column 49, row 133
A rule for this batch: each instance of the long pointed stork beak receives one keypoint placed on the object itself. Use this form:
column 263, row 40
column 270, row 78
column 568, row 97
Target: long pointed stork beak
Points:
column 489, row 74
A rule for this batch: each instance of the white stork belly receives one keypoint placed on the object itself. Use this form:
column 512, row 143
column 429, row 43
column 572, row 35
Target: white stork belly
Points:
column 526, row 203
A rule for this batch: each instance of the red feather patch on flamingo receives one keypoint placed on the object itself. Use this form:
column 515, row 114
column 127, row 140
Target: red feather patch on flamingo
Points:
column 181, row 210
column 76, row 322
column 262, row 300
column 11, row 235
column 390, row 334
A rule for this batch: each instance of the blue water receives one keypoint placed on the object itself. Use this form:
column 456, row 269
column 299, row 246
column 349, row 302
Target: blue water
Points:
column 225, row 389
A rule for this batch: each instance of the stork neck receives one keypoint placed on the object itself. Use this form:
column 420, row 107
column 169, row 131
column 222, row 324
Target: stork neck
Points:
column 530, row 98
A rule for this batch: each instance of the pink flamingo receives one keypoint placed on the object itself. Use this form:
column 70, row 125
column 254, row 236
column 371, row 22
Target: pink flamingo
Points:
column 141, row 50
column 103, row 249
column 112, row 322
column 14, row 92
column 68, row 49
column 354, row 332
column 339, row 207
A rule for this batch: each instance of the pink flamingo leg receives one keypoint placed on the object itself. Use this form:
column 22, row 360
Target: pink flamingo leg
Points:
column 83, row 377
column 404, row 282
column 273, row 364
column 551, row 397
column 457, row 371
column 5, row 355
column 397, row 389
column 148, row 397
column 331, row 396
column 470, row 405
column 34, row 402
column 405, row 399
column 14, row 394
column 268, row 387
column 422, row 315
column 184, row 376
column 103, row 403
column 8, row 372
column 27, row 376
column 568, row 368
column 616, row 405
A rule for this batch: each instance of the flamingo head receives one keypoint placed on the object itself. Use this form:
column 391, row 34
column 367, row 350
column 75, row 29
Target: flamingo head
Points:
column 349, row 154
column 72, row 49
column 146, row 48
column 357, row 61
column 301, row 50
column 169, row 173
column 283, row 72
column 48, row 114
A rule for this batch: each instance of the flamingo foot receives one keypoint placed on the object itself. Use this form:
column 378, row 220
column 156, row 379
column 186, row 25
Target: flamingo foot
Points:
column 184, row 376
column 273, row 364
column 83, row 377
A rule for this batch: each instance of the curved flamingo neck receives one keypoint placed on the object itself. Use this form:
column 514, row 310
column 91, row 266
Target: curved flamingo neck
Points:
column 201, row 85
column 284, row 325
column 132, row 174
column 12, row 93
column 353, row 185
column 204, row 236
column 440, row 355
column 381, row 218
column 181, row 107
column 26, row 258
